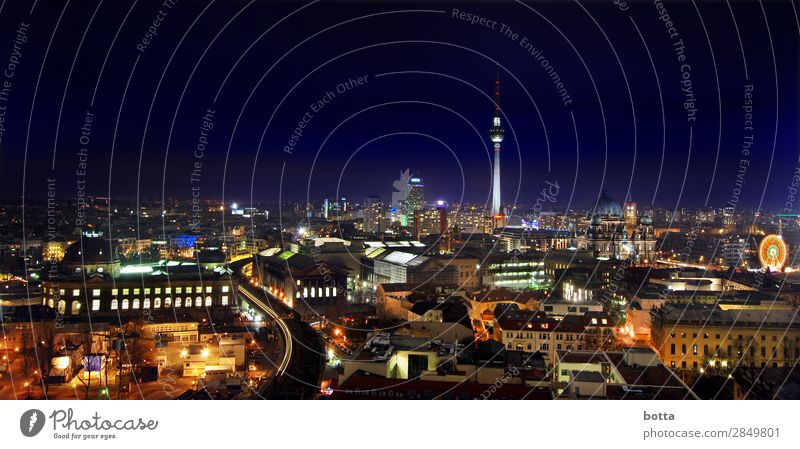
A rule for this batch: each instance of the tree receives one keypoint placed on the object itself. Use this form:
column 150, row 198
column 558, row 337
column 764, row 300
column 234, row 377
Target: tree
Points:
column 86, row 340
column 138, row 344
column 44, row 334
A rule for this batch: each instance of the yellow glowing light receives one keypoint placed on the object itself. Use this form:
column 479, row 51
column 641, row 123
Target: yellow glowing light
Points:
column 772, row 252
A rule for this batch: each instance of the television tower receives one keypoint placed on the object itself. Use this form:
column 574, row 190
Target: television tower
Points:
column 496, row 134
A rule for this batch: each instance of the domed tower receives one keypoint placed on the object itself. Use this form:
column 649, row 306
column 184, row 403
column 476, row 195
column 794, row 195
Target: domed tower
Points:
column 91, row 254
column 606, row 229
column 646, row 241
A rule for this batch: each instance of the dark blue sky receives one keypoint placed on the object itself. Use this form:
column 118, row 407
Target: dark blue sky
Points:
column 267, row 83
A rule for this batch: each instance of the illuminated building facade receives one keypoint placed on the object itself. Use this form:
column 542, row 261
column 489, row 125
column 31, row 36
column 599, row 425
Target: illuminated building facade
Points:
column 308, row 284
column 430, row 221
column 173, row 285
column 373, row 214
column 53, row 251
column 547, row 335
column 631, row 217
column 516, row 273
column 470, row 219
column 708, row 338
column 415, row 199
column 608, row 235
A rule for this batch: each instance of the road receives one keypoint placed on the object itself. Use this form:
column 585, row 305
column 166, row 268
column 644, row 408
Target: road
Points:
column 299, row 373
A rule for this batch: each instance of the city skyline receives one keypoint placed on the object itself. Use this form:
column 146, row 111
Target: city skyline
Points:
column 333, row 200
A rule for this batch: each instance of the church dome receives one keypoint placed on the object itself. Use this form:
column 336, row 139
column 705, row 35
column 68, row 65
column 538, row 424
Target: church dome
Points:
column 606, row 206
column 91, row 254
column 92, row 250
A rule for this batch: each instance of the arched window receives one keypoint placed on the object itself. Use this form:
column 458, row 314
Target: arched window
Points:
column 125, row 304
column 114, row 304
column 51, row 303
column 62, row 306
column 208, row 301
column 178, row 302
column 167, row 301
column 198, row 302
column 146, row 303
column 157, row 303
column 305, row 292
column 76, row 307
column 327, row 292
column 136, row 303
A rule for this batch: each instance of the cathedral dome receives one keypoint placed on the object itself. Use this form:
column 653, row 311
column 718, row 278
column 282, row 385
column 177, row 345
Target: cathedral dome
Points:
column 606, row 206
column 91, row 254
column 90, row 250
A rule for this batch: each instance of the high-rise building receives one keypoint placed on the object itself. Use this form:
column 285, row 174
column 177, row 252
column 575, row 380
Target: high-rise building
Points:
column 415, row 199
column 470, row 219
column 496, row 134
column 373, row 214
column 430, row 220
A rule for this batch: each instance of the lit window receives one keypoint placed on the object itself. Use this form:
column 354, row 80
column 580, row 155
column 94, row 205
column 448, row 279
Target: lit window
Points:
column 178, row 289
column 208, row 301
column 168, row 290
column 125, row 304
column 96, row 292
column 167, row 301
column 114, row 304
column 147, row 291
column 136, row 303
column 334, row 291
column 114, row 291
column 198, row 289
column 198, row 302
column 146, row 303
column 157, row 303
column 135, row 291
column 158, row 291
column 225, row 288
column 126, row 291
column 76, row 307
column 95, row 305
column 76, row 292
column 62, row 292
column 208, row 289
column 225, row 300
column 178, row 302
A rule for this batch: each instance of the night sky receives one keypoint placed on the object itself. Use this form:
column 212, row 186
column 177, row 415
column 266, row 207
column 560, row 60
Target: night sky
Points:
column 426, row 102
